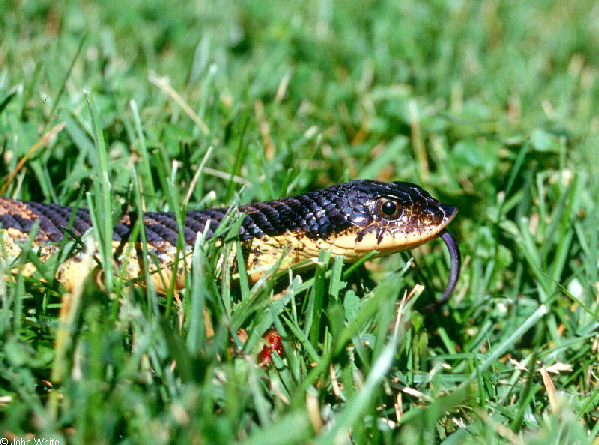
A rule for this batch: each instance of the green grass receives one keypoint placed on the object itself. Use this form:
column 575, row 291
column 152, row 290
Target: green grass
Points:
column 492, row 107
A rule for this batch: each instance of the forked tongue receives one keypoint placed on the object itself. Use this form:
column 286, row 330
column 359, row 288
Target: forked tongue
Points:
column 454, row 272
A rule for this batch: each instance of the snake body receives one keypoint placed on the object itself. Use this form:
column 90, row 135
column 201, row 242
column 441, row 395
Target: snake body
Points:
column 349, row 219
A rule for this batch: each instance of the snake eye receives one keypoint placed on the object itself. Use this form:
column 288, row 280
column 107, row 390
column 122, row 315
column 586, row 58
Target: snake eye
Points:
column 388, row 208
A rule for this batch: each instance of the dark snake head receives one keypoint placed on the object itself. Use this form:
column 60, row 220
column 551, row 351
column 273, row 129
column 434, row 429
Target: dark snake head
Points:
column 389, row 217
column 395, row 216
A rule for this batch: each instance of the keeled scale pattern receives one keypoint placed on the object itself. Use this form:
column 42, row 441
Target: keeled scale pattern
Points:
column 315, row 214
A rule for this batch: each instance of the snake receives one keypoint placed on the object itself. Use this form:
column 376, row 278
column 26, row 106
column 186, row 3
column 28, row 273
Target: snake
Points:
column 351, row 220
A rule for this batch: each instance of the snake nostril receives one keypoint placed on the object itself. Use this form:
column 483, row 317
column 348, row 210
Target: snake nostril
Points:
column 449, row 211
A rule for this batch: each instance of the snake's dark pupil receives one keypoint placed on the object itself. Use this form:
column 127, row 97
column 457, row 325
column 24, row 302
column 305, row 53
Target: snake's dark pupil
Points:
column 389, row 208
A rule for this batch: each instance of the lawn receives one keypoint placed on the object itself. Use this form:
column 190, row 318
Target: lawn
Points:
column 151, row 106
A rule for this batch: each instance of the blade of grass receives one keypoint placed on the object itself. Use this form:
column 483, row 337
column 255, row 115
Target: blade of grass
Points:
column 509, row 342
column 66, row 78
column 102, row 211
column 148, row 183
column 196, row 336
column 316, row 299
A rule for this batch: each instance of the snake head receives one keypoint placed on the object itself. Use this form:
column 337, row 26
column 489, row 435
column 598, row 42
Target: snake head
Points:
column 390, row 217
